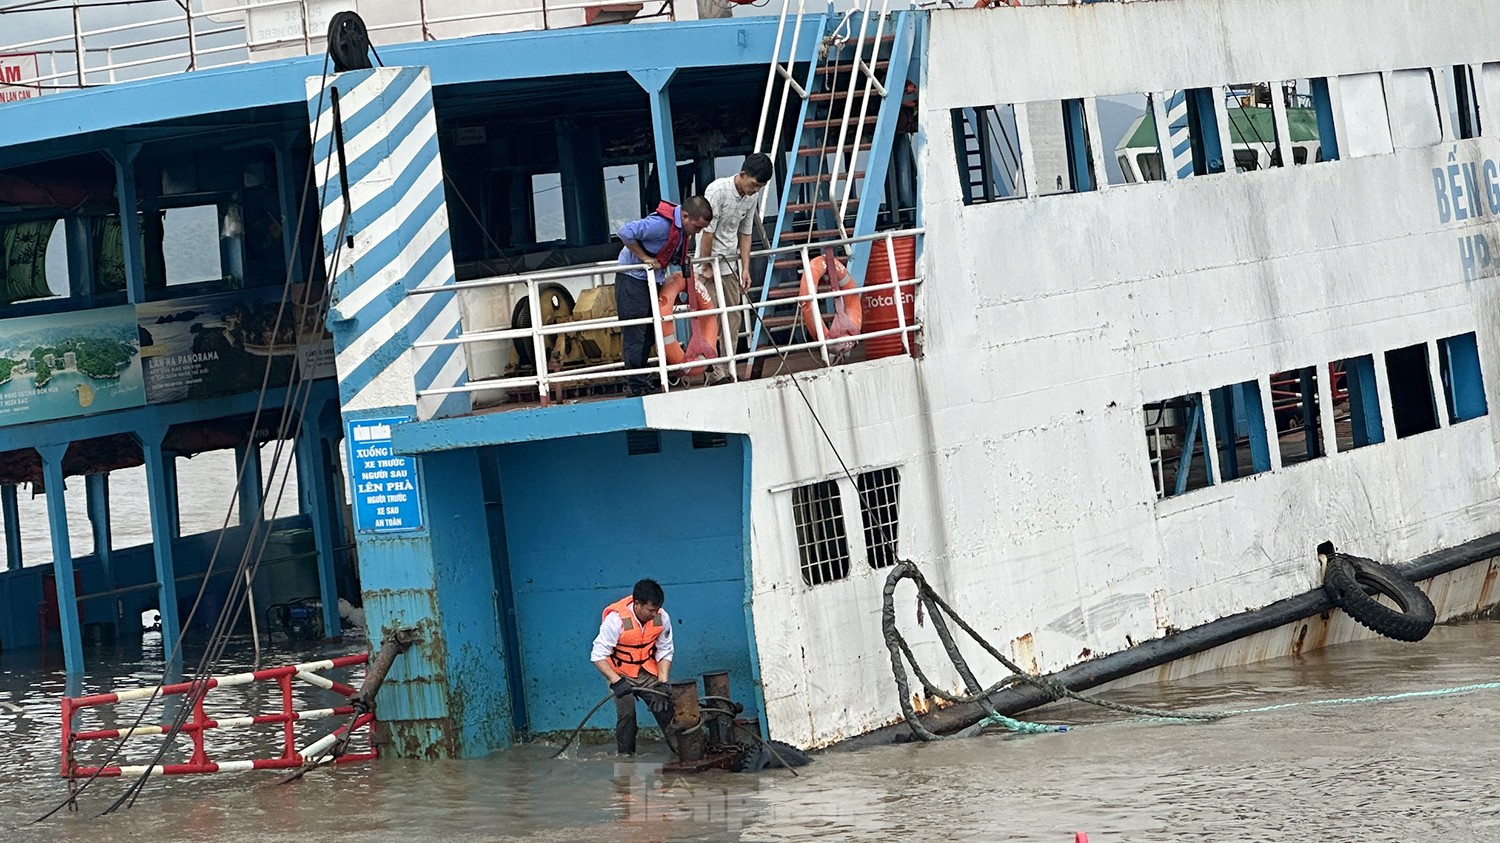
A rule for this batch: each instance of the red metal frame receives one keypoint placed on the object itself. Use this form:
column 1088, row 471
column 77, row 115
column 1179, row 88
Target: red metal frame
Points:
column 201, row 722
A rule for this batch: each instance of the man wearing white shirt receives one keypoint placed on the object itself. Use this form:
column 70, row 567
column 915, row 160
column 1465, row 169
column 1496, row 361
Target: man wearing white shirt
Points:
column 633, row 651
column 728, row 239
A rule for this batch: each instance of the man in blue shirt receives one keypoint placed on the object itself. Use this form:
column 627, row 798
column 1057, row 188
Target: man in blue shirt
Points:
column 653, row 242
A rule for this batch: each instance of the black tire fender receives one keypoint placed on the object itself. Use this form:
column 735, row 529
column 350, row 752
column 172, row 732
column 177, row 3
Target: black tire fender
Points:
column 1352, row 582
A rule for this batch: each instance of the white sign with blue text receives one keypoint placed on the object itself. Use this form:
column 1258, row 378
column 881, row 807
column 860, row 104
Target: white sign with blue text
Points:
column 386, row 498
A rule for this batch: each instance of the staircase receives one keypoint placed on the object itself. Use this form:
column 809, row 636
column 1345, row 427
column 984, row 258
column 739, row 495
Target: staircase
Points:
column 840, row 153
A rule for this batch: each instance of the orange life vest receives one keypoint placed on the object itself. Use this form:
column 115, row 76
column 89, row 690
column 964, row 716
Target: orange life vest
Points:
column 636, row 648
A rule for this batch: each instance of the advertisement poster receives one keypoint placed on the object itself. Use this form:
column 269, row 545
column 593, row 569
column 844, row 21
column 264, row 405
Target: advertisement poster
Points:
column 219, row 344
column 69, row 364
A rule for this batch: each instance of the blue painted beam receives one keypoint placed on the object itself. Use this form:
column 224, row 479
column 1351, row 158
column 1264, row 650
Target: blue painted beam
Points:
column 158, row 492
column 313, row 462
column 655, row 82
column 12, row 516
column 1328, row 138
column 519, row 426
column 62, row 557
column 72, row 116
column 250, row 483
column 96, row 491
column 130, row 222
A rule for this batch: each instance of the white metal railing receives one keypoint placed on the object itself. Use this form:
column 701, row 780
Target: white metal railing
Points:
column 545, row 379
column 175, row 36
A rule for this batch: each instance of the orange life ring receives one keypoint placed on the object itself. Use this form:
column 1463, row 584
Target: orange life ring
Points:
column 848, row 311
column 703, row 343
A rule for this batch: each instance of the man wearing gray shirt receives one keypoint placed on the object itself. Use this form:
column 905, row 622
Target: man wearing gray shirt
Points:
column 729, row 236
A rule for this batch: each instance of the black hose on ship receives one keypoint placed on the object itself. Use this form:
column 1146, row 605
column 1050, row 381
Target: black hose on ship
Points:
column 1014, row 694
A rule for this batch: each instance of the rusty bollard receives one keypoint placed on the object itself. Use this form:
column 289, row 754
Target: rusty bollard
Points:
column 716, row 685
column 687, row 722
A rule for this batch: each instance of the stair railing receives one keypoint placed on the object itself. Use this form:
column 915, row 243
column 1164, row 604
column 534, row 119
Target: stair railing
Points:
column 863, row 9
column 871, row 84
column 789, row 83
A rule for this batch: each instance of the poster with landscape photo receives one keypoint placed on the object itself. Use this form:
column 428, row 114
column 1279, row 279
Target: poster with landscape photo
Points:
column 218, row 344
column 69, row 364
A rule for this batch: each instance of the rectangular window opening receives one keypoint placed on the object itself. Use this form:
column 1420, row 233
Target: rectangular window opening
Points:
column 879, row 500
column 1061, row 155
column 1294, row 401
column 708, row 440
column 1252, row 127
column 1366, row 121
column 1240, row 428
column 1412, row 407
column 1460, row 102
column 622, row 194
column 1175, row 441
column 1127, row 130
column 547, row 222
column 33, row 260
column 822, row 546
column 1414, row 109
column 639, row 442
column 1356, row 403
column 1463, row 382
column 988, row 147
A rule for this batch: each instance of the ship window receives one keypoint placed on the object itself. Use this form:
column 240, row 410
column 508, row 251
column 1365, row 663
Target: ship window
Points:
column 1412, row 408
column 1463, row 383
column 622, row 194
column 1366, row 129
column 1061, row 153
column 33, row 510
column 1240, row 428
column 1414, row 111
column 190, row 248
column 204, row 494
column 33, row 260
column 1252, row 126
column 1294, row 401
column 1460, row 102
column 879, row 499
column 1175, row 434
column 989, row 153
column 1127, row 133
column 1356, row 403
column 547, row 222
column 822, row 546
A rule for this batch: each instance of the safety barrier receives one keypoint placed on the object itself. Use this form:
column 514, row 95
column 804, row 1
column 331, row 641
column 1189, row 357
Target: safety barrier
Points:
column 200, row 723
column 897, row 283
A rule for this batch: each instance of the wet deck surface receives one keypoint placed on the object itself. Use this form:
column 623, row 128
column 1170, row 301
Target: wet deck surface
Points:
column 1416, row 769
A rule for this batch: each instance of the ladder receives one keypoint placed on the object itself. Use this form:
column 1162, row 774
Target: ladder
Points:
column 841, row 147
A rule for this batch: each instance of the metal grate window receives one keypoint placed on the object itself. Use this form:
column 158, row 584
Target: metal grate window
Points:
column 822, row 546
column 708, row 440
column 879, row 496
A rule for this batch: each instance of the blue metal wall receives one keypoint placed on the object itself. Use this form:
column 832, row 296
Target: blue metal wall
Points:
column 584, row 520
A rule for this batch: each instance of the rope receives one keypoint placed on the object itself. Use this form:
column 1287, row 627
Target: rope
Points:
column 936, row 608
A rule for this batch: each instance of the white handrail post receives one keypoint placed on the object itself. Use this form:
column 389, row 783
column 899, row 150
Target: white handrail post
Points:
column 765, row 104
column 78, row 43
column 812, row 305
column 896, row 279
column 731, row 341
column 538, row 348
column 838, row 151
column 786, row 93
column 656, row 328
column 109, row 58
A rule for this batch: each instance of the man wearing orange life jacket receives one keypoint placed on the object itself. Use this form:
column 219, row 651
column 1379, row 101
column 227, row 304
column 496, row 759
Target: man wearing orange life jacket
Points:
column 633, row 651
column 653, row 243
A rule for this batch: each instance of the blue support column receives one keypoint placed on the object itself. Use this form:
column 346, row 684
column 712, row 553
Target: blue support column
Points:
column 12, row 513
column 250, row 483
column 1247, row 395
column 312, row 458
column 1364, row 401
column 1204, row 125
column 163, row 504
column 655, row 81
column 62, row 557
column 130, row 221
column 1328, row 138
column 580, row 156
column 96, row 489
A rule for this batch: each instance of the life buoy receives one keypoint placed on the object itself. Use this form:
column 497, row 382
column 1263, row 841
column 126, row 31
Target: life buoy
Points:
column 703, row 342
column 848, row 312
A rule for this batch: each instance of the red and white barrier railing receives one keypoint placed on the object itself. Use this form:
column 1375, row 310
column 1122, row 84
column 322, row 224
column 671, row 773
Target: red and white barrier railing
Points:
column 200, row 722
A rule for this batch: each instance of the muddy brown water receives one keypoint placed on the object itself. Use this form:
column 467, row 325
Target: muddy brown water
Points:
column 1421, row 768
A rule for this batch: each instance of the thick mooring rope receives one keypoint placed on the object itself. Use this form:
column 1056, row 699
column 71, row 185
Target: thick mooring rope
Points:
column 936, row 608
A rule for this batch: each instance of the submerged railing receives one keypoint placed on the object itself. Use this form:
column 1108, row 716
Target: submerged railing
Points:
column 548, row 378
column 181, row 35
